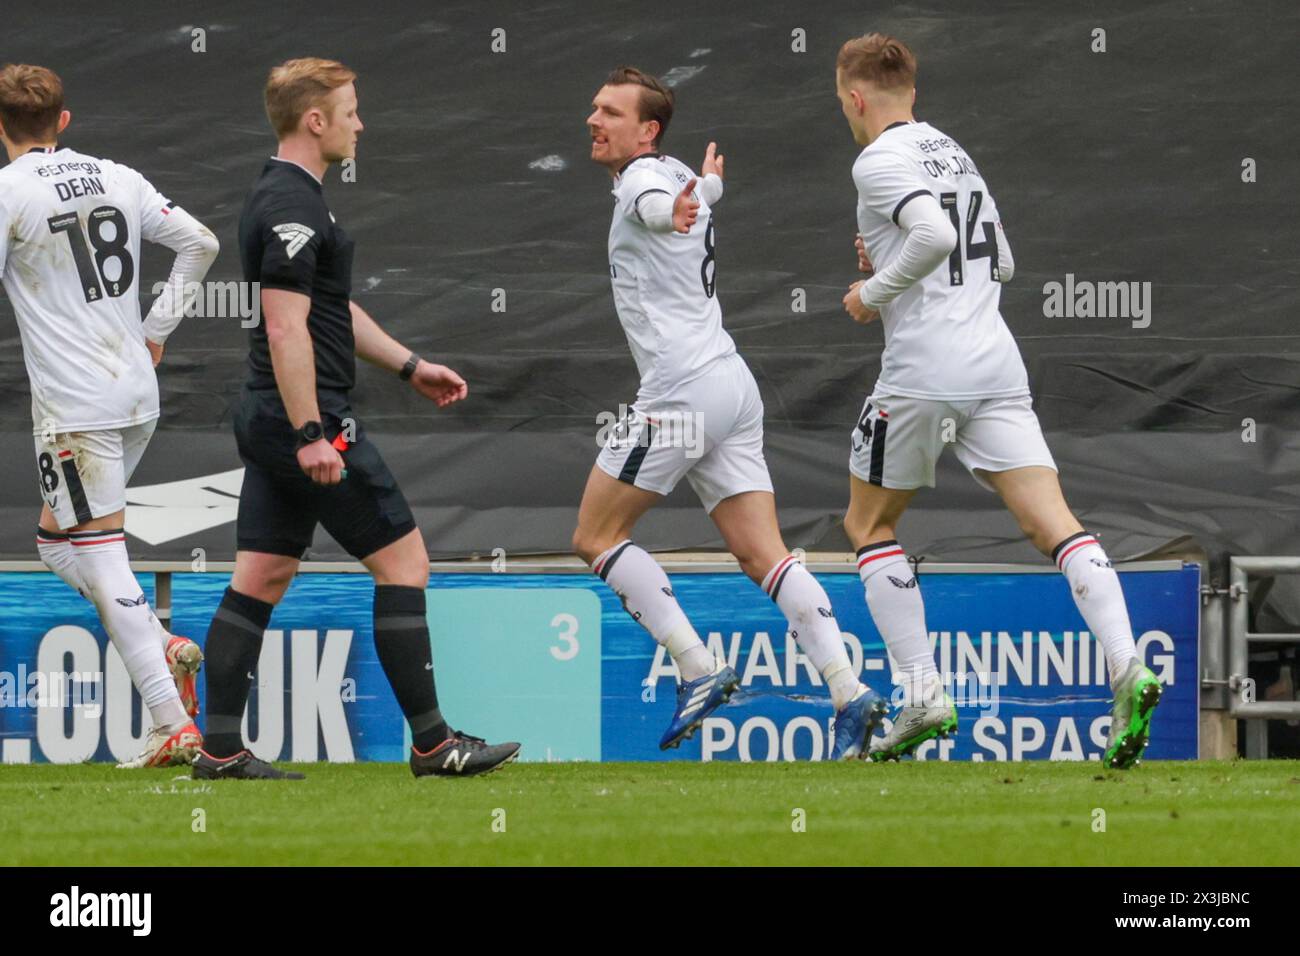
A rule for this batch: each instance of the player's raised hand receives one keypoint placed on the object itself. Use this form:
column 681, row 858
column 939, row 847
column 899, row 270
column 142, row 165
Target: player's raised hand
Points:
column 439, row 384
column 712, row 161
column 685, row 208
column 864, row 263
column 853, row 305
column 321, row 462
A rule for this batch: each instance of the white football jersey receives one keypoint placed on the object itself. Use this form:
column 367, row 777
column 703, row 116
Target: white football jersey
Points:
column 70, row 230
column 664, row 283
column 944, row 336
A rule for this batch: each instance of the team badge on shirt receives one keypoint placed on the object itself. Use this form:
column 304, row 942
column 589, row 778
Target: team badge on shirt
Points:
column 295, row 236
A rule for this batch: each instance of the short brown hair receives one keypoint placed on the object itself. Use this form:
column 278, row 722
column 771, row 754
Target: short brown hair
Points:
column 656, row 102
column 31, row 99
column 296, row 86
column 880, row 60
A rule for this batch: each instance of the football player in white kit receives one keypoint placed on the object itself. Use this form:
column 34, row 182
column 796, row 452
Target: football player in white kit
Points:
column 698, row 415
column 70, row 231
column 930, row 234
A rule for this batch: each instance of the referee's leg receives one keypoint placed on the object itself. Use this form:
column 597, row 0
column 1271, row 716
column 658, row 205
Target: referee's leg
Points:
column 234, row 644
column 274, row 526
column 401, row 573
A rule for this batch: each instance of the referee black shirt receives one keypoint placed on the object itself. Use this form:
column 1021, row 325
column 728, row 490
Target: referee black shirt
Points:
column 288, row 240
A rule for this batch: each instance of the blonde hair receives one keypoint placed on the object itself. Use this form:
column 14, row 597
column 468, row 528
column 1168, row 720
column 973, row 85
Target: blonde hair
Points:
column 296, row 86
column 883, row 61
column 31, row 99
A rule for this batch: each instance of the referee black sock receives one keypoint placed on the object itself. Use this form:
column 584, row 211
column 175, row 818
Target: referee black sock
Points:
column 402, row 643
column 233, row 645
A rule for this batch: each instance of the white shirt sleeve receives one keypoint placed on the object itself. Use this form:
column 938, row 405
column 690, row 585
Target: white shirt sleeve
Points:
column 655, row 209
column 649, row 200
column 4, row 237
column 930, row 240
column 635, row 186
column 710, row 188
column 887, row 183
column 196, row 248
column 1006, row 263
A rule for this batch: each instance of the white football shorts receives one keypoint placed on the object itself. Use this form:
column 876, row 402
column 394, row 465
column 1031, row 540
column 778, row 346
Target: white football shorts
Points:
column 898, row 440
column 83, row 475
column 709, row 430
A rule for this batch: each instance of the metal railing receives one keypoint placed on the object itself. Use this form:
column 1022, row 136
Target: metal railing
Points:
column 1241, row 702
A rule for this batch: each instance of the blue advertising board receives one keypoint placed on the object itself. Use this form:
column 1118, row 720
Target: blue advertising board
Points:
column 554, row 661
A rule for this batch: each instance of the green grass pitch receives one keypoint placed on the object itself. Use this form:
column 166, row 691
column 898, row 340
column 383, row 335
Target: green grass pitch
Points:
column 1205, row 813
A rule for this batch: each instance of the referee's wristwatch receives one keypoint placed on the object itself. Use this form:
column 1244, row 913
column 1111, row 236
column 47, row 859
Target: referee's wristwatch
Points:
column 409, row 368
column 308, row 433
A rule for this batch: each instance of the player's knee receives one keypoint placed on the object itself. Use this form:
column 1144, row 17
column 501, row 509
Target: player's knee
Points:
column 266, row 582
column 756, row 562
column 405, row 562
column 420, row 569
column 586, row 545
column 863, row 529
column 277, row 582
column 755, row 570
column 749, row 564
column 1043, row 535
column 1036, row 535
column 270, row 589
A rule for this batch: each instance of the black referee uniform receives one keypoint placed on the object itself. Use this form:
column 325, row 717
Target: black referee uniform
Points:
column 288, row 240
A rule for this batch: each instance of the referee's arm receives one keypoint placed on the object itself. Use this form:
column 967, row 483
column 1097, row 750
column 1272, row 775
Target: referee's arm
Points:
column 294, row 362
column 437, row 383
column 373, row 344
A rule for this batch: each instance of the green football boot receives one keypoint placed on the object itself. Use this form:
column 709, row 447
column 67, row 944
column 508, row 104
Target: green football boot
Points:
column 914, row 726
column 1136, row 694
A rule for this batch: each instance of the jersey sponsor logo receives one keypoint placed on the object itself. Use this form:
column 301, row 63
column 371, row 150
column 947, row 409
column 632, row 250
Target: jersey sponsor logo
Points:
column 295, row 236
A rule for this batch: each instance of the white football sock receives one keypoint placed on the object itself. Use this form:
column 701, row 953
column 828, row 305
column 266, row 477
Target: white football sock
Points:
column 104, row 568
column 894, row 599
column 1099, row 597
column 646, row 594
column 812, row 623
column 57, row 554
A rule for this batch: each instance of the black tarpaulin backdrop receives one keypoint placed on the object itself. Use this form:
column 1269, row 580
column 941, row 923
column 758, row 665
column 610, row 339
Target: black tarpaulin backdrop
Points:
column 472, row 176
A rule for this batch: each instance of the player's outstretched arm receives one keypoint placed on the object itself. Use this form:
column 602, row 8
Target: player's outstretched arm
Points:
column 435, row 382
column 662, row 212
column 711, row 175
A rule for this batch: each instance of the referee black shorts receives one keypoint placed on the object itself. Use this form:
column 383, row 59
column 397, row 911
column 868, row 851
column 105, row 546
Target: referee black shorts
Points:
column 279, row 506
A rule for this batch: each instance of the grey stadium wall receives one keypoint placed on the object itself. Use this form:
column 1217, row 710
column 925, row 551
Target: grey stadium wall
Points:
column 472, row 176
